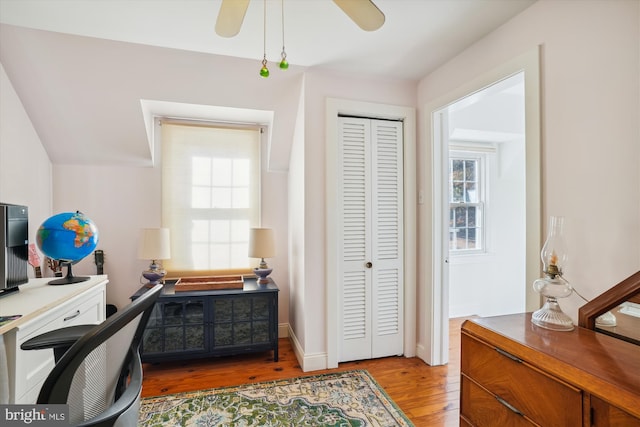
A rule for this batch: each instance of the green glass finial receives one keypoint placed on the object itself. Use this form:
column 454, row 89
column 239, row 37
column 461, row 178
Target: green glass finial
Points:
column 264, row 71
column 284, row 65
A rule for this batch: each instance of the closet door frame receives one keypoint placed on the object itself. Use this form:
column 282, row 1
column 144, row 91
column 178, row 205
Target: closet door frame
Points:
column 334, row 108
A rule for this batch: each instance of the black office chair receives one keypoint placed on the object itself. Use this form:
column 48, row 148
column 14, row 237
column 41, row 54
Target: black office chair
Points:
column 98, row 370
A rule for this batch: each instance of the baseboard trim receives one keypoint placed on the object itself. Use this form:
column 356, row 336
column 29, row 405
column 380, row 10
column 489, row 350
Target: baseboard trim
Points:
column 308, row 362
column 283, row 330
column 421, row 352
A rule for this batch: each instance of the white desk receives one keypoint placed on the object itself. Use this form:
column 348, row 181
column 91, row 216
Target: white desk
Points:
column 43, row 308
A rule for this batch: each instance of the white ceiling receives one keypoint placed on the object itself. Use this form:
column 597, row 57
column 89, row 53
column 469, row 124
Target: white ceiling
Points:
column 85, row 91
column 417, row 36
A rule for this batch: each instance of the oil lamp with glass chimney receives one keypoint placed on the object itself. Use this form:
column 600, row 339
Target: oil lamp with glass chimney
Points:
column 553, row 286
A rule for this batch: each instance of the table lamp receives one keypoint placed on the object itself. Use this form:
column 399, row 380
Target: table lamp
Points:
column 262, row 245
column 154, row 245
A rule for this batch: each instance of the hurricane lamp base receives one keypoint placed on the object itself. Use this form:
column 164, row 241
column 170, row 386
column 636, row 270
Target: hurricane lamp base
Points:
column 551, row 316
column 607, row 319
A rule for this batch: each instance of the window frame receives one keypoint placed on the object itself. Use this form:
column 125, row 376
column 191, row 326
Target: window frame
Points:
column 255, row 214
column 480, row 157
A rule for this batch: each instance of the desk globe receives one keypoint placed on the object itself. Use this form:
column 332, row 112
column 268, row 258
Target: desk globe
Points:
column 67, row 237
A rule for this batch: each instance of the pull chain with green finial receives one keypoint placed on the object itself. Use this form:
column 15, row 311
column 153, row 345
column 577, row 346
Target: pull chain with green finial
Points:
column 264, row 71
column 283, row 63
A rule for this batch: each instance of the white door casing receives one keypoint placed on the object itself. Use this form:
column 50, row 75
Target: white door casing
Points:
column 434, row 347
column 336, row 107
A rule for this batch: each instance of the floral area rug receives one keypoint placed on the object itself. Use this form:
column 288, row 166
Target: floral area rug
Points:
column 342, row 399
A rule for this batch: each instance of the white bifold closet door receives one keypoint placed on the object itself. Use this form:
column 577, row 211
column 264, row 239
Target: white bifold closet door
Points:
column 370, row 268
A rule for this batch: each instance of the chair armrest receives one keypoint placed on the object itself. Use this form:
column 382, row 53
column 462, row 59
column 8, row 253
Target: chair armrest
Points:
column 59, row 339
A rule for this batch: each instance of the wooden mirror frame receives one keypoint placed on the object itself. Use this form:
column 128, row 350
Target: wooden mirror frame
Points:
column 623, row 291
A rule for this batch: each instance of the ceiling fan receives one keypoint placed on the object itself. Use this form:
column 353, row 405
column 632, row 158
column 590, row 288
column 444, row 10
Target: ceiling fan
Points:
column 363, row 12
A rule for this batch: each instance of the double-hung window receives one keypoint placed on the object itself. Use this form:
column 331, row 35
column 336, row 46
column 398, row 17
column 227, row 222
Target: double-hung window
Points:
column 210, row 194
column 466, row 202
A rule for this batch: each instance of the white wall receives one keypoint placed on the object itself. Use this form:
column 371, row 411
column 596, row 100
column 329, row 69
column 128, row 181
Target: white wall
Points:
column 25, row 169
column 296, row 235
column 590, row 71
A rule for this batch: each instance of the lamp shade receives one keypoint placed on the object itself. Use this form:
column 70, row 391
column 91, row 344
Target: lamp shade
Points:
column 154, row 244
column 261, row 243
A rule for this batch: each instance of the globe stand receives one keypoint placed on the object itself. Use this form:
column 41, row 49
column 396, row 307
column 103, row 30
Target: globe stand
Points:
column 69, row 278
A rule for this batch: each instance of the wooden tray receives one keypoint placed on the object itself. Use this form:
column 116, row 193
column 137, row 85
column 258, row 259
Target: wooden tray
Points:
column 209, row 283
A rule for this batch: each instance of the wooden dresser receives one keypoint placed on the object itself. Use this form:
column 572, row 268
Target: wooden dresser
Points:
column 514, row 373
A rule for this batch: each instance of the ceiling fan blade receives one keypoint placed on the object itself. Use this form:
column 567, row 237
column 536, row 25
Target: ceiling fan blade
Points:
column 363, row 12
column 230, row 17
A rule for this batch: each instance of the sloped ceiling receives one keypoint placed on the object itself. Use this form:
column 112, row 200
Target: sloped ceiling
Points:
column 83, row 67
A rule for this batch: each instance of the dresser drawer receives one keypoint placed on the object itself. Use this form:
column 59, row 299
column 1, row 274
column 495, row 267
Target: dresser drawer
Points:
column 480, row 408
column 537, row 396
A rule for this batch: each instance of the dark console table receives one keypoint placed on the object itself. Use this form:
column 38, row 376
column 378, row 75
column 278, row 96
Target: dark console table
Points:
column 196, row 324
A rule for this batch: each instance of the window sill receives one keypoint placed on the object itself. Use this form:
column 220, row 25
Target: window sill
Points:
column 174, row 274
column 473, row 258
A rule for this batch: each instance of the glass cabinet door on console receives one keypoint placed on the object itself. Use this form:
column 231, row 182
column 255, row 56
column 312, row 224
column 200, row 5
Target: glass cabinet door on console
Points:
column 241, row 321
column 176, row 326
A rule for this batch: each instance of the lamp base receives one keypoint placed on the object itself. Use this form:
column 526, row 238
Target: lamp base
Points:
column 154, row 277
column 551, row 316
column 262, row 274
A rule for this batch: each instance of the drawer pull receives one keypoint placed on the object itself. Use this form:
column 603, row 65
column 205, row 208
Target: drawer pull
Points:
column 73, row 316
column 509, row 355
column 508, row 405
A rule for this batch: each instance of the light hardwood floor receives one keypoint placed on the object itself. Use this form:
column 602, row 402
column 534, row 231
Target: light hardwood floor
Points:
column 429, row 396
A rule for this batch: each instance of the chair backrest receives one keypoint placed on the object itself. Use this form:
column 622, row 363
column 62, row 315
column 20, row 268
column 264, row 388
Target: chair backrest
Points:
column 94, row 374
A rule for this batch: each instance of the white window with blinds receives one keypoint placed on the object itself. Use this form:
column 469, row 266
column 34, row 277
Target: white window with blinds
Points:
column 210, row 194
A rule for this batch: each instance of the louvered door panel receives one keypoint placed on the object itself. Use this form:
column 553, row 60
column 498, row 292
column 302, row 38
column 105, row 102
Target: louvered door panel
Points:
column 388, row 303
column 387, row 232
column 387, row 190
column 355, row 189
column 356, row 329
column 355, row 249
column 355, row 306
